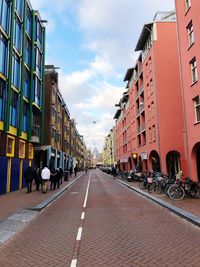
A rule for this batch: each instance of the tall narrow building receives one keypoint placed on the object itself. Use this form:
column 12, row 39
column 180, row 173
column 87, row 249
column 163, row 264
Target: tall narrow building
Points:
column 188, row 26
column 22, row 42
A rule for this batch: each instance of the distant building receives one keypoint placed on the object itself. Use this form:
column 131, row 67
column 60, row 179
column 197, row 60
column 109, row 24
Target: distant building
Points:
column 22, row 52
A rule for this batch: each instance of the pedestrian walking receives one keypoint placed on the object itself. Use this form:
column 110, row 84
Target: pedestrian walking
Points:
column 70, row 171
column 37, row 178
column 45, row 174
column 60, row 176
column 75, row 171
column 28, row 175
column 53, row 179
column 114, row 172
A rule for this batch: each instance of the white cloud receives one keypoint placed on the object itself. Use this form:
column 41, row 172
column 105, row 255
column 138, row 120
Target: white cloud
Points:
column 109, row 31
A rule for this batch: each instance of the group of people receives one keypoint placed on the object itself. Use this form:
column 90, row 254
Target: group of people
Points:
column 42, row 177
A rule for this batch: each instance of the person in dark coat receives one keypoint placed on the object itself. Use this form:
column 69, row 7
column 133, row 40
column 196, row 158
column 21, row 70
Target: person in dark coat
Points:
column 37, row 178
column 75, row 171
column 60, row 176
column 29, row 178
column 53, row 179
column 70, row 171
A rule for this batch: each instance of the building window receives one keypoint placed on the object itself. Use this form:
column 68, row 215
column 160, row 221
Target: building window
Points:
column 153, row 133
column 17, row 34
column 39, row 33
column 13, row 109
column 28, row 21
column 193, row 64
column 190, row 33
column 38, row 62
column 38, row 88
column 152, row 109
column 149, row 112
column 22, row 147
column 187, row 4
column 16, row 71
column 10, row 147
column 4, row 15
column 25, row 117
column 148, row 90
column 27, row 79
column 28, row 53
column 4, row 55
column 151, row 86
column 2, row 99
column 150, row 135
column 197, row 108
column 30, row 151
column 150, row 64
column 19, row 7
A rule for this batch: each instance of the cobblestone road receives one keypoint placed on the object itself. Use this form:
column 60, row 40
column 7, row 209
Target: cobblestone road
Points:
column 111, row 226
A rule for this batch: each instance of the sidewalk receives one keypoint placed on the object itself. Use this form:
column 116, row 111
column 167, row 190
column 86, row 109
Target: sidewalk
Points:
column 187, row 208
column 12, row 202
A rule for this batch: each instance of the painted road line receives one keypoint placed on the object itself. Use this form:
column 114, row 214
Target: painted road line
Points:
column 73, row 263
column 80, row 229
column 83, row 216
column 86, row 195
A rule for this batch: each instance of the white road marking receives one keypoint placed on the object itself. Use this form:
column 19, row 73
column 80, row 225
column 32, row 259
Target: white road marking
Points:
column 86, row 195
column 83, row 216
column 80, row 229
column 73, row 263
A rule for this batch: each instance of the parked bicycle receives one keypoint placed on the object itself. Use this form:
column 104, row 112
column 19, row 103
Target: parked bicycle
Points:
column 182, row 188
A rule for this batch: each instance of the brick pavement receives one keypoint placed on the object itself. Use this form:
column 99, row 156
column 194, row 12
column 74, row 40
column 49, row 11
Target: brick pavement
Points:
column 188, row 204
column 14, row 201
column 121, row 228
column 48, row 240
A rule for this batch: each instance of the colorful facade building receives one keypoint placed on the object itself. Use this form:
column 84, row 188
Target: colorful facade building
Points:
column 188, row 26
column 109, row 158
column 22, row 52
column 155, row 102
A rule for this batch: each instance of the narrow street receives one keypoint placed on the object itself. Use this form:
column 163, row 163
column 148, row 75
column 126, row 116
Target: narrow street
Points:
column 99, row 222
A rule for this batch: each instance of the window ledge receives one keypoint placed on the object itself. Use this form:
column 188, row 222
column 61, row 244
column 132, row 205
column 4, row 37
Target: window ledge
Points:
column 193, row 83
column 190, row 46
column 187, row 10
column 197, row 122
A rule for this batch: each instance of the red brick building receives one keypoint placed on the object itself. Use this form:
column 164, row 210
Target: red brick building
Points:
column 188, row 26
column 155, row 103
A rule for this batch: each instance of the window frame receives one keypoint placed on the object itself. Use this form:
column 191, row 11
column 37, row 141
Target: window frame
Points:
column 194, row 72
column 12, row 153
column 190, row 32
column 197, row 108
column 22, row 144
column 4, row 52
column 187, row 5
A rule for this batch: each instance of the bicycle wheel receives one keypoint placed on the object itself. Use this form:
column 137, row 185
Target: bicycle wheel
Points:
column 176, row 192
column 159, row 188
column 194, row 191
column 151, row 187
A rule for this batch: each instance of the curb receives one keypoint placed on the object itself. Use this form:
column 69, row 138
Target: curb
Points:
column 10, row 226
column 178, row 211
column 53, row 197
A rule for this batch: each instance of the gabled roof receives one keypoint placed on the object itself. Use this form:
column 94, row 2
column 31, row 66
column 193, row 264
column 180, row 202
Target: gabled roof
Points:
column 128, row 75
column 146, row 31
column 117, row 114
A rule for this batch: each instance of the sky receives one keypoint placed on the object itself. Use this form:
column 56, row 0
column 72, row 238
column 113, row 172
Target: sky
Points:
column 93, row 43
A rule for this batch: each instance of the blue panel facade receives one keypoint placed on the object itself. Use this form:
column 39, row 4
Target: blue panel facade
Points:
column 3, row 174
column 25, row 166
column 15, row 171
